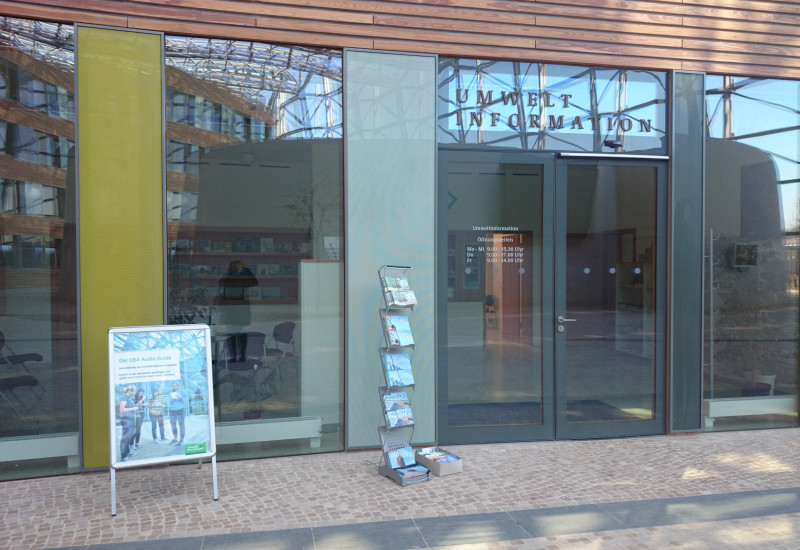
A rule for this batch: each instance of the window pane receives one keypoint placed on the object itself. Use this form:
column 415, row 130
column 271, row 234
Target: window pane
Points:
column 39, row 394
column 752, row 227
column 494, row 295
column 557, row 107
column 254, row 171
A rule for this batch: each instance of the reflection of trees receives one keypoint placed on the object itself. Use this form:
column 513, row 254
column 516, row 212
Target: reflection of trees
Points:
column 793, row 250
column 317, row 207
column 187, row 299
column 755, row 324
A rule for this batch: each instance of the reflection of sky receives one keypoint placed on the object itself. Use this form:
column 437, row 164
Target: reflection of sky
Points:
column 764, row 114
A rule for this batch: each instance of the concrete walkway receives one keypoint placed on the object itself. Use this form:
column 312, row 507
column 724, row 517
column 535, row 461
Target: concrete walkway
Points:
column 715, row 490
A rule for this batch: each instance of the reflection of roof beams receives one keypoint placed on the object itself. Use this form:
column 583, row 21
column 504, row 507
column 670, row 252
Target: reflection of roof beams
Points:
column 766, row 133
column 733, row 86
column 16, row 113
column 183, row 82
column 22, row 170
column 52, row 42
column 241, row 75
column 17, row 224
column 250, row 65
column 198, row 136
column 176, row 79
column 41, row 69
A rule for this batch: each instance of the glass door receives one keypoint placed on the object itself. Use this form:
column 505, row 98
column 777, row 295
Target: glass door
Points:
column 551, row 302
column 609, row 298
column 495, row 274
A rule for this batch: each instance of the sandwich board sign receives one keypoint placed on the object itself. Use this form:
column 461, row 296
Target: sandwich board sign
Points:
column 161, row 397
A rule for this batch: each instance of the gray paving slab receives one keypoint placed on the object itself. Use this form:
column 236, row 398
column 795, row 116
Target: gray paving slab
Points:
column 288, row 539
column 186, row 543
column 469, row 529
column 701, row 508
column 384, row 535
column 565, row 520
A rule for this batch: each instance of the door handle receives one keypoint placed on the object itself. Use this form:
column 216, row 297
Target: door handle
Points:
column 562, row 319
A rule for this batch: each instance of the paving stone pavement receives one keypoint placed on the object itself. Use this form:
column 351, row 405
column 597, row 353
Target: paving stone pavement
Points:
column 696, row 491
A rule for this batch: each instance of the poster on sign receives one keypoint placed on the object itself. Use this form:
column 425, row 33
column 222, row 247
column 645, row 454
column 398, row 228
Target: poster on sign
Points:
column 161, row 400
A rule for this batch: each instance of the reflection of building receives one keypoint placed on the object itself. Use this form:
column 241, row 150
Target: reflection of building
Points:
column 38, row 275
column 599, row 175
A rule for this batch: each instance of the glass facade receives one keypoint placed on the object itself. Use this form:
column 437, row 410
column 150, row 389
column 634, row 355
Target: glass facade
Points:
column 39, row 393
column 752, row 223
column 254, row 214
column 255, row 239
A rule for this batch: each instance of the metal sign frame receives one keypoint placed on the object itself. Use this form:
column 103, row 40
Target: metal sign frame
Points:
column 165, row 358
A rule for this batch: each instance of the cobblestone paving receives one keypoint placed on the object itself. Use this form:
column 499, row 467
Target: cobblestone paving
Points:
column 344, row 488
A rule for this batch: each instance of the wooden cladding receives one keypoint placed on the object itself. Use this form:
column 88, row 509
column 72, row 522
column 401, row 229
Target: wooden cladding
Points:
column 23, row 170
column 44, row 70
column 744, row 37
column 16, row 224
column 14, row 112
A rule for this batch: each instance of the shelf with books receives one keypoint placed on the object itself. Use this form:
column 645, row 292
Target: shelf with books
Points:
column 230, row 264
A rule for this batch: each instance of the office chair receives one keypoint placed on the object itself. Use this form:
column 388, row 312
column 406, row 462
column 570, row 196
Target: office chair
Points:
column 489, row 311
column 13, row 360
column 281, row 345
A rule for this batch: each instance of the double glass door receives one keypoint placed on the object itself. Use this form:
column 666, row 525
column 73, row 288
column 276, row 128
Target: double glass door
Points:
column 551, row 305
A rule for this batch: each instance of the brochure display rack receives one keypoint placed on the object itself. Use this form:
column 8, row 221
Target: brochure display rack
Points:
column 398, row 461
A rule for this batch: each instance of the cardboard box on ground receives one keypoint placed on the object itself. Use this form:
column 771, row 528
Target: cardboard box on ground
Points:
column 440, row 462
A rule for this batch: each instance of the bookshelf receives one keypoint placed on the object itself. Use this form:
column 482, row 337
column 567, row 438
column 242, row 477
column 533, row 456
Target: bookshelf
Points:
column 272, row 257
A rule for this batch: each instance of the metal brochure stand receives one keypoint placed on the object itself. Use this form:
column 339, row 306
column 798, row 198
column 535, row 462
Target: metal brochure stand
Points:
column 161, row 358
column 398, row 301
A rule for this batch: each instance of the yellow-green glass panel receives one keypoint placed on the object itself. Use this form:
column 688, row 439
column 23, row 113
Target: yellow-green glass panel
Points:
column 119, row 91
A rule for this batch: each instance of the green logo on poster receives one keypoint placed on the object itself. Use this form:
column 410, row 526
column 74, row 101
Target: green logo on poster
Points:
column 194, row 448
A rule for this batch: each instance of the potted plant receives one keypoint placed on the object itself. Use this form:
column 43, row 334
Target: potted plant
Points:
column 187, row 299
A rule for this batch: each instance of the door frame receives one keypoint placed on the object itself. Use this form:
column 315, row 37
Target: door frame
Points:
column 553, row 235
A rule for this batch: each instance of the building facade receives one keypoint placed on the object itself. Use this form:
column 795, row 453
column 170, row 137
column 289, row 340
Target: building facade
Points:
column 599, row 204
